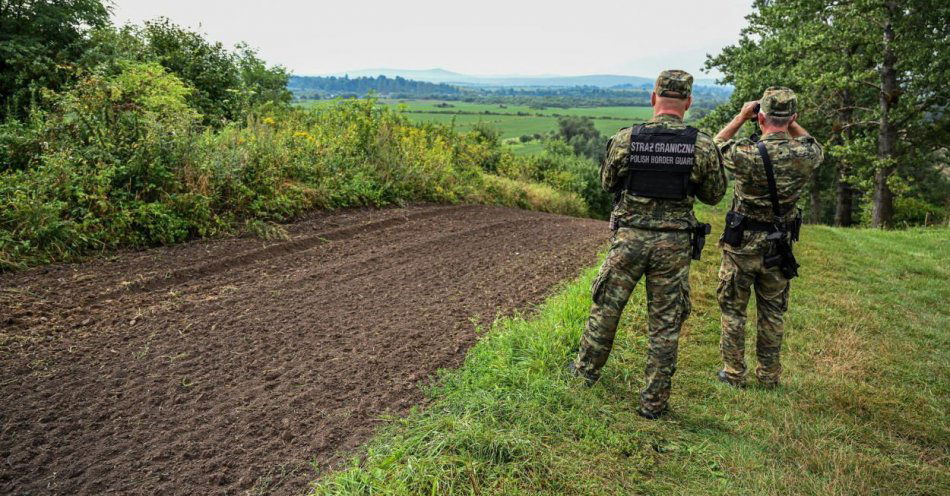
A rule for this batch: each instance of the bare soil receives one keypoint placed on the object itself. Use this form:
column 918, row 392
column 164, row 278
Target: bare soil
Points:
column 243, row 366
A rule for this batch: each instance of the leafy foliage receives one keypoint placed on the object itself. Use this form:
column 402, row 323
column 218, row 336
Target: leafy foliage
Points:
column 226, row 83
column 583, row 136
column 39, row 41
column 151, row 134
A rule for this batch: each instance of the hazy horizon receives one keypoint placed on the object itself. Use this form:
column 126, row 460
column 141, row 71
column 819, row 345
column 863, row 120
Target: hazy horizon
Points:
column 495, row 39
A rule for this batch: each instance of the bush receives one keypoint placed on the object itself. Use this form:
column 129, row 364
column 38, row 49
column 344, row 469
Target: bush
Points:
column 225, row 84
column 559, row 167
column 126, row 163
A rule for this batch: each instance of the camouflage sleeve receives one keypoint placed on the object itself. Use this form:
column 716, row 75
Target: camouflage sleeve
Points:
column 708, row 172
column 815, row 147
column 614, row 167
column 727, row 148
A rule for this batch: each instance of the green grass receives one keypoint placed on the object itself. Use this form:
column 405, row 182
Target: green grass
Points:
column 511, row 125
column 616, row 112
column 863, row 409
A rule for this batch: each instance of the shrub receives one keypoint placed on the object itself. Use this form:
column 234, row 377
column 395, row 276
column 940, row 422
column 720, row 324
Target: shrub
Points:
column 125, row 163
column 558, row 167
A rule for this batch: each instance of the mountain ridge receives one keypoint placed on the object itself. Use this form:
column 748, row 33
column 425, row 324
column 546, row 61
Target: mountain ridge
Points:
column 439, row 75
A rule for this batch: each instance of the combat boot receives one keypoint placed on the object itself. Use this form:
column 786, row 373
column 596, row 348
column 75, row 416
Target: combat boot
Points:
column 589, row 379
column 768, row 384
column 725, row 378
column 653, row 415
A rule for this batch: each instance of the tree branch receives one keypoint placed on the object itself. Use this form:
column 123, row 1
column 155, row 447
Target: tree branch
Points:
column 861, row 123
column 853, row 107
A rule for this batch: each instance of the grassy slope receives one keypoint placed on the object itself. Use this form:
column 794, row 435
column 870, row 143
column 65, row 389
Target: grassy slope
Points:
column 863, row 409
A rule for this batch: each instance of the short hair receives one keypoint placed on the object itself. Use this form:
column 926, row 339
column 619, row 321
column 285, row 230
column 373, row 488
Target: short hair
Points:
column 673, row 100
column 776, row 121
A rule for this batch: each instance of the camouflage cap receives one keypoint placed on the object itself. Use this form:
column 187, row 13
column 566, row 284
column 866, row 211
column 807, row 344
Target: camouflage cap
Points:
column 678, row 83
column 779, row 101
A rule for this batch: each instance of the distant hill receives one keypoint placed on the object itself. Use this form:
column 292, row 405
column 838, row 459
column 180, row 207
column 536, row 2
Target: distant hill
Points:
column 449, row 77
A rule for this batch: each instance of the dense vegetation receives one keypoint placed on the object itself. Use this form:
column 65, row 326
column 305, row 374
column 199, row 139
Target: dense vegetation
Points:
column 155, row 135
column 854, row 416
column 38, row 47
column 871, row 75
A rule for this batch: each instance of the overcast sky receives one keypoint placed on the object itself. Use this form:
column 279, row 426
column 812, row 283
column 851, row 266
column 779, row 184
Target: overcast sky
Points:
column 488, row 37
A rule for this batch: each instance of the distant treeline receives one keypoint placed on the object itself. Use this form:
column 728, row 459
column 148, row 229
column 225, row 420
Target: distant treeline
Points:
column 310, row 87
column 318, row 86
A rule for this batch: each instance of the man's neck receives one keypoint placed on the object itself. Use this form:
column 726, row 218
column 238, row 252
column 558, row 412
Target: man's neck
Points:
column 667, row 113
column 773, row 130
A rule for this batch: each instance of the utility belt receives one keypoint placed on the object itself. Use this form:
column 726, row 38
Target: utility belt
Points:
column 781, row 235
column 697, row 236
column 737, row 224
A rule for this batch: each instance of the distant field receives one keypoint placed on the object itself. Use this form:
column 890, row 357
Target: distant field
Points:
column 622, row 113
column 511, row 125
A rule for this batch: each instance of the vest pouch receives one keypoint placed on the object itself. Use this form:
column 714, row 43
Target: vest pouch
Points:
column 669, row 184
column 734, row 230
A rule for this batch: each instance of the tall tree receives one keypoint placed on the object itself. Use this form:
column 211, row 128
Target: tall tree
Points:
column 39, row 39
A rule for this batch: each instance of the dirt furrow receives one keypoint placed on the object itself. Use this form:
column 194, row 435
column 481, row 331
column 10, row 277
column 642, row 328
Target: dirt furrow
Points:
column 234, row 365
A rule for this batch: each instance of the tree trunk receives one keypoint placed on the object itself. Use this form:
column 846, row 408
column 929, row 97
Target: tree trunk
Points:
column 844, row 199
column 883, row 212
column 844, row 193
column 814, row 207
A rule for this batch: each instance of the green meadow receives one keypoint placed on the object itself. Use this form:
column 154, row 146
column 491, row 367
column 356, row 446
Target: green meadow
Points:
column 864, row 406
column 506, row 119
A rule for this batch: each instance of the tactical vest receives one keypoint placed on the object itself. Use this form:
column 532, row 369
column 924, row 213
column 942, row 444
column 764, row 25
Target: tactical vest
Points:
column 660, row 162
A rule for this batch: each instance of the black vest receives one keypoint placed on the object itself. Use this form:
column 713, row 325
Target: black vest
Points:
column 660, row 162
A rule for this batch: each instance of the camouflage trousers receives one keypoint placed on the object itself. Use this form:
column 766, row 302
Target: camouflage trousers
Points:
column 663, row 257
column 738, row 275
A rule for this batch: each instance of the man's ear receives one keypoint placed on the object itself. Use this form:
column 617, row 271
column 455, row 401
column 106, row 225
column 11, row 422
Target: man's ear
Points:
column 793, row 119
column 761, row 118
column 689, row 101
column 653, row 99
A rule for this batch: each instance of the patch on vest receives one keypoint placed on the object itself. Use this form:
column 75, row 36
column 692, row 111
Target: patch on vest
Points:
column 660, row 162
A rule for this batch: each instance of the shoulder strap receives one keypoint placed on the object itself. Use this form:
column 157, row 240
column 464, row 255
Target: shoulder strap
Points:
column 770, row 176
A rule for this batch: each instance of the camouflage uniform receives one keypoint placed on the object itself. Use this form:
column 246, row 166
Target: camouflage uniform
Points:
column 794, row 160
column 653, row 241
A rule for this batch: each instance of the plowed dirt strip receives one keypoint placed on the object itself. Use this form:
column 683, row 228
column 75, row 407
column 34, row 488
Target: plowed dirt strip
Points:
column 234, row 366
